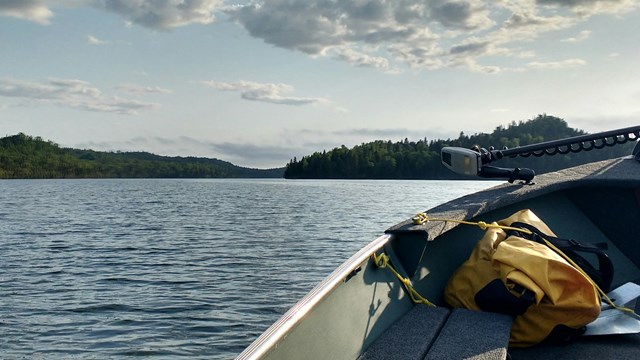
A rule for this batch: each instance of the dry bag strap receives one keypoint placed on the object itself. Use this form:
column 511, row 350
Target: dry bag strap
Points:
column 602, row 276
column 510, row 299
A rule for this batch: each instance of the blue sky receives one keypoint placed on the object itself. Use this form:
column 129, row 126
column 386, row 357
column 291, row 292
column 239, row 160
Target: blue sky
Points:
column 257, row 83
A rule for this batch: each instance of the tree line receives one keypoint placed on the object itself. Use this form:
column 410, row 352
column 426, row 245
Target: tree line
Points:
column 421, row 159
column 26, row 157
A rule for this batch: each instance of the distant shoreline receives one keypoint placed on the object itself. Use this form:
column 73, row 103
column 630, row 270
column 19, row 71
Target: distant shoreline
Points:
column 26, row 157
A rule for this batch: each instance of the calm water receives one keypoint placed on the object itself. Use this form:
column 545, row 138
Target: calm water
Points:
column 178, row 268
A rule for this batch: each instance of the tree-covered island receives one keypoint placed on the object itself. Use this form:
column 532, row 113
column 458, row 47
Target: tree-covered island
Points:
column 421, row 159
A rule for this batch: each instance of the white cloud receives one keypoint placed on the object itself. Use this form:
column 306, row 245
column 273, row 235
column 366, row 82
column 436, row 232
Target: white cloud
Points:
column 92, row 40
column 165, row 14
column 70, row 93
column 582, row 36
column 528, row 24
column 265, row 92
column 381, row 34
column 32, row 10
column 591, row 7
column 557, row 64
column 361, row 59
column 141, row 89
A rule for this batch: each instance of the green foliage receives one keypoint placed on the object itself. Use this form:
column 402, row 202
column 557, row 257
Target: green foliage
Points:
column 23, row 156
column 421, row 159
column 26, row 157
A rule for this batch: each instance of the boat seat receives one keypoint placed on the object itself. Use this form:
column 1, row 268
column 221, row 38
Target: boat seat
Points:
column 428, row 333
column 410, row 337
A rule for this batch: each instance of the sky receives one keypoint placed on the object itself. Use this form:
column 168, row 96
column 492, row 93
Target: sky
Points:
column 258, row 83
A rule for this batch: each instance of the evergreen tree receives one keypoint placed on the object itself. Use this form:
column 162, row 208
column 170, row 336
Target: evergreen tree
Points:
column 421, row 160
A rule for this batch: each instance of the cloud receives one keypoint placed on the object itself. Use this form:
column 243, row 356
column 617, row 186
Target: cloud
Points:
column 583, row 35
column 316, row 27
column 477, row 47
column 153, row 14
column 591, row 7
column 557, row 64
column 360, row 59
column 141, row 89
column 467, row 15
column 528, row 24
column 162, row 15
column 70, row 93
column 245, row 153
column 265, row 92
column 92, row 40
column 389, row 35
column 380, row 133
column 238, row 153
column 32, row 10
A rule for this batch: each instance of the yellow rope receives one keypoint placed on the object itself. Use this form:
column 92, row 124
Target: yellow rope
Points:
column 422, row 218
column 382, row 261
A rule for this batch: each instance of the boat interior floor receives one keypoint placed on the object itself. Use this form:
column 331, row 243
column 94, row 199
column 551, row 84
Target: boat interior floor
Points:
column 439, row 333
column 592, row 214
column 588, row 347
column 619, row 346
column 432, row 333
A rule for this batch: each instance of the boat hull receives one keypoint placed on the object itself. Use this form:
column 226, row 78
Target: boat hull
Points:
column 357, row 303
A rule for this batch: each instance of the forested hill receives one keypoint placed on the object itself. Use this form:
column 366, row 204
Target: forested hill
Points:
column 421, row 160
column 26, row 157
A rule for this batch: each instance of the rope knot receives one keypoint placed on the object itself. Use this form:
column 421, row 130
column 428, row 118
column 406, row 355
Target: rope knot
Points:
column 482, row 225
column 381, row 260
column 420, row 218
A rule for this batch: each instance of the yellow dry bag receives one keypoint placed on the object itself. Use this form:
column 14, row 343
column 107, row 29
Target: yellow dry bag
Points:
column 548, row 297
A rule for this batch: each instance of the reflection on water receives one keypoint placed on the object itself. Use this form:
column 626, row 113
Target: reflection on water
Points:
column 178, row 268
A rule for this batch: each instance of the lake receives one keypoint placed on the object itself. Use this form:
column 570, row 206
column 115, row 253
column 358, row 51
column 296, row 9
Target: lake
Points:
column 173, row 268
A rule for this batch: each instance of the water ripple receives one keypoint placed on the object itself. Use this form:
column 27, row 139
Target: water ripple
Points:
column 96, row 269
